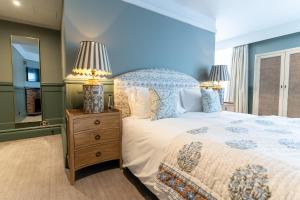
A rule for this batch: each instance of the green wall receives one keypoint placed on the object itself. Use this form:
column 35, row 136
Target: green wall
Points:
column 74, row 95
column 7, row 114
column 51, row 81
column 50, row 50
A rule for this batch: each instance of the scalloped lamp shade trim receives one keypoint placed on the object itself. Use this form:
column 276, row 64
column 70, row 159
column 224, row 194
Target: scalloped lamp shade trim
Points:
column 92, row 59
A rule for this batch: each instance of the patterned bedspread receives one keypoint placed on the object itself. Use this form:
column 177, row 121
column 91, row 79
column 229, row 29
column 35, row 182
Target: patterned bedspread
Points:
column 255, row 158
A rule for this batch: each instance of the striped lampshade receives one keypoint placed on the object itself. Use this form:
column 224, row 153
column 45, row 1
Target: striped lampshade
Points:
column 219, row 73
column 92, row 59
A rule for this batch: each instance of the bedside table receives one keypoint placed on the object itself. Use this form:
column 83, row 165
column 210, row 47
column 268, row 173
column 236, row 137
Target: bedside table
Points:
column 92, row 139
column 227, row 106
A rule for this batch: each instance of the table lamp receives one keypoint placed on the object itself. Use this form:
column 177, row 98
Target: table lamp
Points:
column 219, row 73
column 92, row 59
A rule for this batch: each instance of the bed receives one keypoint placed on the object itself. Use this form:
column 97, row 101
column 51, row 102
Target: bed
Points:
column 221, row 155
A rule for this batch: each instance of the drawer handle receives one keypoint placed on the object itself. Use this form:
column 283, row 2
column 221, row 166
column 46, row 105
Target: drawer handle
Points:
column 97, row 137
column 98, row 154
column 97, row 122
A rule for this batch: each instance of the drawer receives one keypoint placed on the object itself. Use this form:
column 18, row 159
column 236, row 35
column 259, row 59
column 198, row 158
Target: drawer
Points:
column 96, row 122
column 96, row 154
column 228, row 108
column 92, row 137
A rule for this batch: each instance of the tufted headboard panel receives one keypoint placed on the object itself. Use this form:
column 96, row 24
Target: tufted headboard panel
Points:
column 150, row 78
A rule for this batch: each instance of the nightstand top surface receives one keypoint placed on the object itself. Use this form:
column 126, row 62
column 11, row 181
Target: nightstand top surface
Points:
column 78, row 112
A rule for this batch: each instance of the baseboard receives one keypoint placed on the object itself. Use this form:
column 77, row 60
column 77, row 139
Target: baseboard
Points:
column 55, row 121
column 23, row 133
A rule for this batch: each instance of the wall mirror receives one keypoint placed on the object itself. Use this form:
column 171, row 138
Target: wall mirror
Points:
column 26, row 79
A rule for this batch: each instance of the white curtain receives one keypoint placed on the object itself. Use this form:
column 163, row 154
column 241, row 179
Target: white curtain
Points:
column 238, row 85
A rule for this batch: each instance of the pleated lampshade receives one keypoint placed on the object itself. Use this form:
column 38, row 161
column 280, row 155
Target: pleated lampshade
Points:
column 219, row 73
column 92, row 59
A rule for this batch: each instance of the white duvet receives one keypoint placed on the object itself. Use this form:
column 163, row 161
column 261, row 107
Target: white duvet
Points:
column 275, row 139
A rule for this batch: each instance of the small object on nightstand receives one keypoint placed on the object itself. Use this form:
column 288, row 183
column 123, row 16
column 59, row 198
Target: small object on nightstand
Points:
column 110, row 104
column 92, row 59
column 92, row 139
column 228, row 106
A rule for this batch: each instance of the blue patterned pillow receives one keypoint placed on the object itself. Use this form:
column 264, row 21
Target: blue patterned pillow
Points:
column 210, row 101
column 163, row 103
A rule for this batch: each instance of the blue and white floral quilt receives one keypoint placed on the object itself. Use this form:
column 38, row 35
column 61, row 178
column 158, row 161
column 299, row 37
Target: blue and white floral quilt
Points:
column 247, row 158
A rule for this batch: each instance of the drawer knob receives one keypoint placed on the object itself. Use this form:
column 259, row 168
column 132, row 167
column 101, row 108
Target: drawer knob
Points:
column 97, row 137
column 97, row 122
column 98, row 154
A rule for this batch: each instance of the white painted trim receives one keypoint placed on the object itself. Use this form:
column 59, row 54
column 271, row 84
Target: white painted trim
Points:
column 285, row 84
column 289, row 52
column 295, row 49
column 256, row 83
column 256, row 36
column 177, row 12
column 281, row 106
column 284, row 78
column 256, row 86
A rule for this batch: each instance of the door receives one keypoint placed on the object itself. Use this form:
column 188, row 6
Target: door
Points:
column 269, row 77
column 292, row 84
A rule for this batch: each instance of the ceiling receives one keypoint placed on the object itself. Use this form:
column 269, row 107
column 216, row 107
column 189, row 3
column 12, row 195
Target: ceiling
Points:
column 27, row 47
column 233, row 20
column 43, row 13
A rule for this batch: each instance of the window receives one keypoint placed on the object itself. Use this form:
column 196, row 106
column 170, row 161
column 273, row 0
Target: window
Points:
column 224, row 57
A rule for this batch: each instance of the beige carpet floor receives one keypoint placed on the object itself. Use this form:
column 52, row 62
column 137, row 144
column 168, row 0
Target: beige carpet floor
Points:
column 34, row 169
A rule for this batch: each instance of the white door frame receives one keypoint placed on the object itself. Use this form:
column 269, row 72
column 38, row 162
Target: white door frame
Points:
column 256, row 82
column 287, row 79
column 284, row 77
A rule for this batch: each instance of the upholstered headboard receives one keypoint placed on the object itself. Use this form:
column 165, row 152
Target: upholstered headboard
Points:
column 150, row 78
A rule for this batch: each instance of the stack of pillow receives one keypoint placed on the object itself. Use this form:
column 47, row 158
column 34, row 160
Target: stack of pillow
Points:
column 169, row 103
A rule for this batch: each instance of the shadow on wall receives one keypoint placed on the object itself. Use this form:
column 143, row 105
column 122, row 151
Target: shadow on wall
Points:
column 137, row 38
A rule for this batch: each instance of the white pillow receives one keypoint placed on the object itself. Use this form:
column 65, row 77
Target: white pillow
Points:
column 180, row 109
column 139, row 102
column 191, row 99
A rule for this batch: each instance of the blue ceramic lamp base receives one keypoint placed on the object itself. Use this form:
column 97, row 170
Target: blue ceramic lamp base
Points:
column 93, row 98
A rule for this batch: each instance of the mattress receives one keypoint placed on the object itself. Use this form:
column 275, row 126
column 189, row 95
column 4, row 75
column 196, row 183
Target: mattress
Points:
column 145, row 142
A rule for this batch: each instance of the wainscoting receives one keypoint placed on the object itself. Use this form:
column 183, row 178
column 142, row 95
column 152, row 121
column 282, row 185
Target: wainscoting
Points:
column 53, row 102
column 7, row 118
column 52, row 107
column 74, row 95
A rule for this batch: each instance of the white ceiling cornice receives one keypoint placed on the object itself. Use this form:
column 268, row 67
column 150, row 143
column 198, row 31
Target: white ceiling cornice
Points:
column 172, row 10
column 272, row 32
column 10, row 19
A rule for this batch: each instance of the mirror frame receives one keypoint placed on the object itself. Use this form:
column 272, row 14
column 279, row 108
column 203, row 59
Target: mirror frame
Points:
column 35, row 123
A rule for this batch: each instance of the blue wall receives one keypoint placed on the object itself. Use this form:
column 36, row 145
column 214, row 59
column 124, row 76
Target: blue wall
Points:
column 137, row 38
column 274, row 44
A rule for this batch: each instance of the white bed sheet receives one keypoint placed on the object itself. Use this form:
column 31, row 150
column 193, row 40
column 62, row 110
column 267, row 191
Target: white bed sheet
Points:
column 145, row 141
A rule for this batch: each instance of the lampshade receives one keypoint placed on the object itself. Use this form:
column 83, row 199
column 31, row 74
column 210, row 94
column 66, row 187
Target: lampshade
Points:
column 92, row 59
column 219, row 73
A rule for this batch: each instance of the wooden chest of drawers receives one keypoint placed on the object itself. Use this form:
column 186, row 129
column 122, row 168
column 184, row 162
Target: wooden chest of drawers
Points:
column 228, row 107
column 92, row 139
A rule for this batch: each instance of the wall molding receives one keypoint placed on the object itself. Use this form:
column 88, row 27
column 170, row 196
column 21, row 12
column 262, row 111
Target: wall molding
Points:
column 256, row 36
column 23, row 133
column 52, row 84
column 177, row 12
column 6, row 84
column 7, row 126
column 53, row 113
